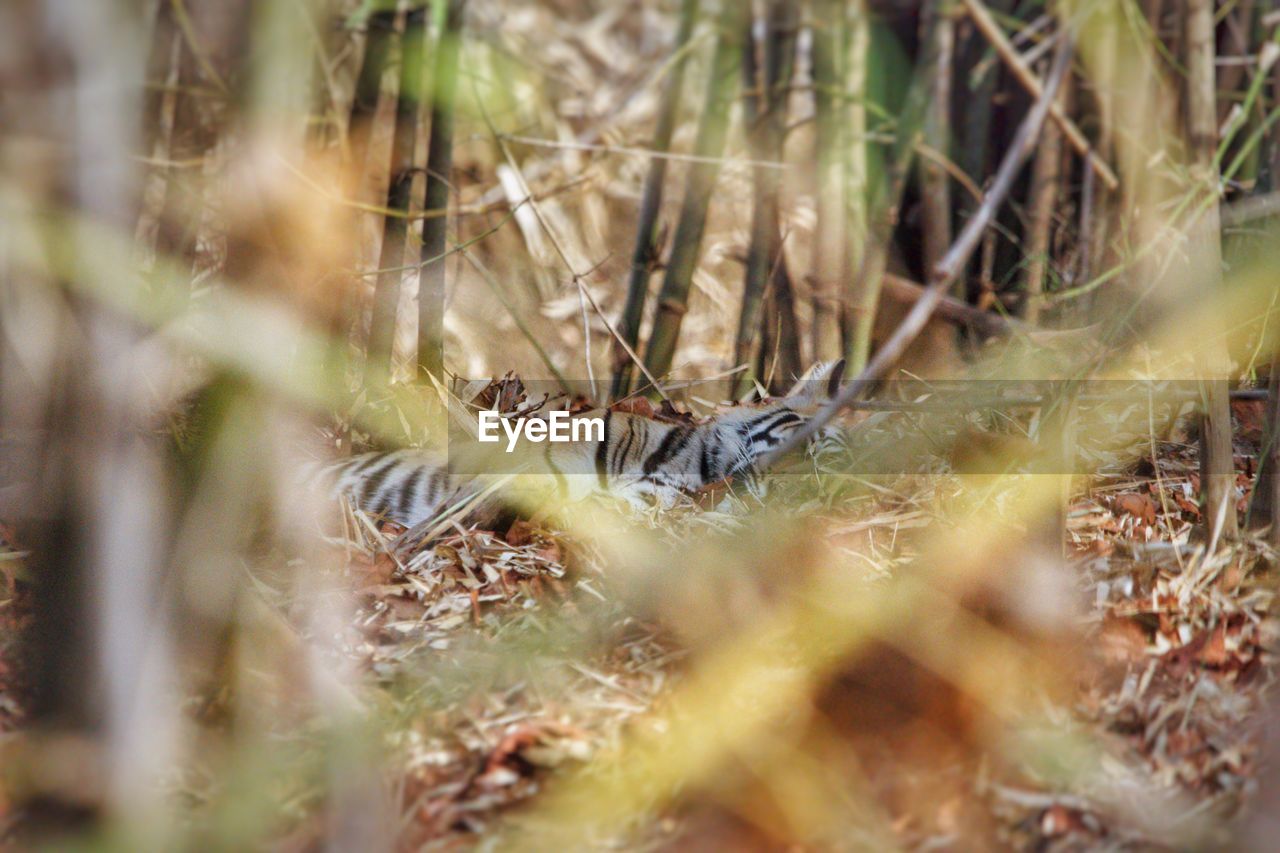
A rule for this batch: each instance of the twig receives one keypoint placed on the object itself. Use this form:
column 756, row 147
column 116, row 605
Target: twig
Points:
column 645, row 252
column 197, row 50
column 987, row 323
column 949, row 267
column 646, row 152
column 982, row 19
column 555, row 242
column 515, row 315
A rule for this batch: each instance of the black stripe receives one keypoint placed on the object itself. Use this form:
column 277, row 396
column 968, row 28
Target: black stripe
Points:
column 363, row 464
column 671, row 444
column 785, row 417
column 620, row 458
column 408, row 491
column 369, row 489
column 704, row 464
column 435, row 485
column 602, row 454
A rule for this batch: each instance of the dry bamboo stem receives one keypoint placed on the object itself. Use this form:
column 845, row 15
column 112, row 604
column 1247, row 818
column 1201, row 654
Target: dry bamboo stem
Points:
column 946, row 271
column 935, row 185
column 864, row 295
column 1045, row 177
column 687, row 240
column 987, row 25
column 828, row 268
column 645, row 256
column 1217, row 468
column 767, row 112
column 436, row 197
column 855, row 53
column 1239, row 27
column 386, row 294
column 1264, row 509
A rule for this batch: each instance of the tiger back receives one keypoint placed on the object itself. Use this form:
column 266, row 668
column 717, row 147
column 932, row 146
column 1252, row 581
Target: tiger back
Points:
column 643, row 461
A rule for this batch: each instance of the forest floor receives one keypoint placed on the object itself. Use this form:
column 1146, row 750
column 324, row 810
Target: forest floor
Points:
column 1181, row 638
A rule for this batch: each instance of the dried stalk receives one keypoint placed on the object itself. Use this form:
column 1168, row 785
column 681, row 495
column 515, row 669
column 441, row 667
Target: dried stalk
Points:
column 687, row 240
column 386, row 294
column 1046, row 174
column 765, row 113
column 1217, row 468
column 987, row 25
column 645, row 256
column 828, row 269
column 885, row 197
column 436, row 197
column 945, row 272
column 378, row 42
column 935, row 186
column 856, row 52
column 1264, row 508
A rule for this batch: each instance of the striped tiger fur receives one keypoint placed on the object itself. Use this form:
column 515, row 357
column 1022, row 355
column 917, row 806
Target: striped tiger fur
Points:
column 641, row 460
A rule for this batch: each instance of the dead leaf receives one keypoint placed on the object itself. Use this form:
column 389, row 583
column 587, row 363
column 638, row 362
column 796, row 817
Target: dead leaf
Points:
column 1139, row 506
column 1122, row 640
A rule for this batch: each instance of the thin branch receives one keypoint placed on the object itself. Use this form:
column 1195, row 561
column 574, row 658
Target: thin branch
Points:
column 947, row 269
column 646, row 152
column 555, row 242
column 982, row 19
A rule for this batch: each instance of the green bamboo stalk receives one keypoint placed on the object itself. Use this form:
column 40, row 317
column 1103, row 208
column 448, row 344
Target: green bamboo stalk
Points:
column 379, row 40
column 645, row 255
column 856, row 52
column 828, row 265
column 885, row 197
column 386, row 293
column 765, row 112
column 439, row 166
column 687, row 241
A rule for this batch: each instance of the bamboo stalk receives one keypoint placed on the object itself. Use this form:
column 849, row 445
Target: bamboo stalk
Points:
column 778, row 360
column 1239, row 28
column 883, row 215
column 1046, row 174
column 1217, row 468
column 687, row 241
column 386, row 293
column 645, row 255
column 379, row 32
column 987, row 25
column 765, row 113
column 193, row 136
column 828, row 267
column 979, row 100
column 1264, row 507
column 945, row 272
column 935, row 185
column 856, row 53
column 436, row 196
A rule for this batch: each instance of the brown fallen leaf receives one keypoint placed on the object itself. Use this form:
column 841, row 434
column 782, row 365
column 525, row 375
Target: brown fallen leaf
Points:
column 1214, row 650
column 1139, row 506
column 635, row 406
column 1122, row 639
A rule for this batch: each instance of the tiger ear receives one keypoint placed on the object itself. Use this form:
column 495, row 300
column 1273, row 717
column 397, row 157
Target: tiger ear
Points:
column 819, row 383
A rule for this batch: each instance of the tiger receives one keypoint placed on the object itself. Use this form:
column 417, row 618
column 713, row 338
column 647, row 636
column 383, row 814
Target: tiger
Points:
column 645, row 462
